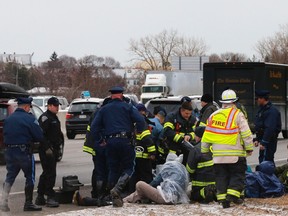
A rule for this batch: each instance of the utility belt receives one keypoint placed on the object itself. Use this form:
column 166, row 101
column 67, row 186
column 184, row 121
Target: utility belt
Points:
column 123, row 135
column 23, row 147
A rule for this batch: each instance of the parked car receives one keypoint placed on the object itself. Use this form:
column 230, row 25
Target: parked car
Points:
column 41, row 101
column 78, row 115
column 7, row 107
column 132, row 97
column 171, row 104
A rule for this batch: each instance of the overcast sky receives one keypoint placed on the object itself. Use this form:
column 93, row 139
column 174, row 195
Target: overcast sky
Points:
column 104, row 27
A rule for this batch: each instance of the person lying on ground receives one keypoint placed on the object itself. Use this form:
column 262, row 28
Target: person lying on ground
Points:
column 168, row 187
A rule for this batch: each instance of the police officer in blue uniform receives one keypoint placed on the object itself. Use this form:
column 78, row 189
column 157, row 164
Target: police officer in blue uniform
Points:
column 100, row 171
column 20, row 130
column 267, row 126
column 115, row 122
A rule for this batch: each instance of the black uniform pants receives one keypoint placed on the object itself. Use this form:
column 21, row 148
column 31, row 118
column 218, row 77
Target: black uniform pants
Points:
column 268, row 153
column 230, row 178
column 48, row 177
column 143, row 172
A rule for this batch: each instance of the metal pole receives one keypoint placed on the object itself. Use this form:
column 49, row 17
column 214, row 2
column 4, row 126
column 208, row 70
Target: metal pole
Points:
column 17, row 75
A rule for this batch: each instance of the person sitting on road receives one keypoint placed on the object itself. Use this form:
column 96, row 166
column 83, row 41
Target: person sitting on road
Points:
column 168, row 187
column 263, row 183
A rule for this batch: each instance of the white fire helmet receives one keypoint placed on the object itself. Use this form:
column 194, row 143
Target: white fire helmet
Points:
column 228, row 96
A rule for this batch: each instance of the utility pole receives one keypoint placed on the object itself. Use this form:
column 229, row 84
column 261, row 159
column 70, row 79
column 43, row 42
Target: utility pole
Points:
column 17, row 73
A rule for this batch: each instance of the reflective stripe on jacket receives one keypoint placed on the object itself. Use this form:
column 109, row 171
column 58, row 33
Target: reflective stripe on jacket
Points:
column 176, row 127
column 228, row 132
column 200, row 167
column 144, row 144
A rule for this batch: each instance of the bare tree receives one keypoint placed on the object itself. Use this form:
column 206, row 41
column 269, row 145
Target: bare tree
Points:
column 111, row 62
column 275, row 48
column 89, row 60
column 164, row 43
column 191, row 47
column 143, row 51
column 68, row 61
column 215, row 58
column 156, row 50
column 228, row 57
column 87, row 73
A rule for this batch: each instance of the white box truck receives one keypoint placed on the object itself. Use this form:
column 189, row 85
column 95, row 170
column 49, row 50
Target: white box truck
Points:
column 171, row 83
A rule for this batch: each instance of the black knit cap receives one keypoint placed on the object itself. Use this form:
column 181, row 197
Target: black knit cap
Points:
column 207, row 98
column 186, row 106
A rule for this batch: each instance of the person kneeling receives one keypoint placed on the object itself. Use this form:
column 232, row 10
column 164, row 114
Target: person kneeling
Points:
column 201, row 171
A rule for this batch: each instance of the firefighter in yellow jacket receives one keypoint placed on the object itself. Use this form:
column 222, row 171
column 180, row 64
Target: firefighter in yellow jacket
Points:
column 228, row 137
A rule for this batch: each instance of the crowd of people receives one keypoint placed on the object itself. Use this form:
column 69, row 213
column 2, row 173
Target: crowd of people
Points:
column 143, row 157
column 213, row 149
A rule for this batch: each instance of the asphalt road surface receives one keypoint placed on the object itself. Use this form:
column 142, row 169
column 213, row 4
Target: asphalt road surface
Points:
column 76, row 162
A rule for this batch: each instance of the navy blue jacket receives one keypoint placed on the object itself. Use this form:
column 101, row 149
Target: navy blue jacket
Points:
column 21, row 128
column 115, row 117
column 51, row 127
column 263, row 183
column 267, row 123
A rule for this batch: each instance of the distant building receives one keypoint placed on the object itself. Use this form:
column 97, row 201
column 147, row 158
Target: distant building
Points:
column 132, row 76
column 23, row 59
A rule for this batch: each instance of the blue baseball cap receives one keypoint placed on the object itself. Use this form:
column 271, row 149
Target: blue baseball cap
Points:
column 116, row 90
column 141, row 107
column 23, row 100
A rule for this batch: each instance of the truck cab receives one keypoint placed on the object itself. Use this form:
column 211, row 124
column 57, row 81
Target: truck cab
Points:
column 155, row 86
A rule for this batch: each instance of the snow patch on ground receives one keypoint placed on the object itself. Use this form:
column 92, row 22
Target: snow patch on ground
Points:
column 184, row 209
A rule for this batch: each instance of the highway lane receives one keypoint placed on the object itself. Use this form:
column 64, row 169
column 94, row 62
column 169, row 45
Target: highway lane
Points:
column 281, row 154
column 74, row 162
column 77, row 162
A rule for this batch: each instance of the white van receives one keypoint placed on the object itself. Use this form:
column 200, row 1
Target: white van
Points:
column 41, row 101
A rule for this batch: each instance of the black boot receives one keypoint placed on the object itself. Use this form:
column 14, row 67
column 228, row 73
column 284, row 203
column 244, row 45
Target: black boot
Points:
column 4, row 201
column 210, row 192
column 234, row 199
column 51, row 202
column 40, row 200
column 102, row 193
column 225, row 204
column 29, row 206
column 116, row 191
